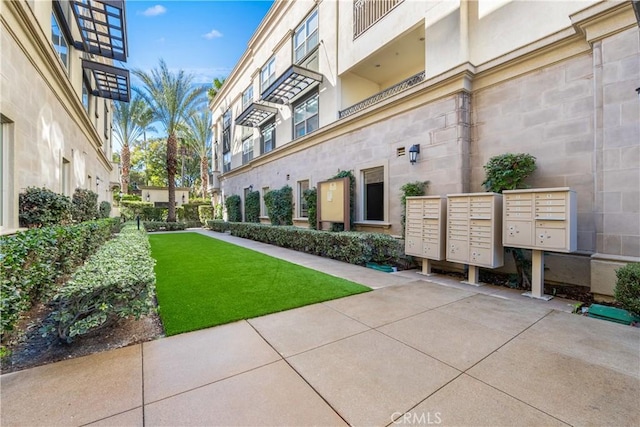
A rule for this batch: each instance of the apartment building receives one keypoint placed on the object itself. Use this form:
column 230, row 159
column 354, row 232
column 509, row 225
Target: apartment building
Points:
column 58, row 84
column 358, row 85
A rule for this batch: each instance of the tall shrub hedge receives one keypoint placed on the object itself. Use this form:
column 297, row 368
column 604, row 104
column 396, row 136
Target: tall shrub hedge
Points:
column 234, row 210
column 34, row 261
column 280, row 206
column 311, row 199
column 117, row 282
column 252, row 207
column 205, row 213
column 84, row 205
column 147, row 211
column 38, row 207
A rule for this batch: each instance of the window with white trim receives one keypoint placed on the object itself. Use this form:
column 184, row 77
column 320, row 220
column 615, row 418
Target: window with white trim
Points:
column 305, row 38
column 60, row 43
column 303, row 210
column 305, row 116
column 373, row 194
column 268, row 137
column 268, row 74
column 247, row 97
column 247, row 149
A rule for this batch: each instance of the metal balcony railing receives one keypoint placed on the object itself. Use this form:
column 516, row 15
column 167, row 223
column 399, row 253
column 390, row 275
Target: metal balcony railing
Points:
column 368, row 12
column 403, row 85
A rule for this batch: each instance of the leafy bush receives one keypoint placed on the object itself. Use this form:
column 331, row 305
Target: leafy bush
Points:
column 105, row 209
column 84, row 205
column 351, row 247
column 311, row 199
column 218, row 225
column 508, row 171
column 234, row 212
column 117, row 282
column 410, row 189
column 200, row 201
column 217, row 211
column 627, row 290
column 352, row 200
column 34, row 261
column 192, row 224
column 205, row 213
column 164, row 226
column 191, row 210
column 280, row 206
column 252, row 207
column 40, row 207
column 146, row 210
column 131, row 198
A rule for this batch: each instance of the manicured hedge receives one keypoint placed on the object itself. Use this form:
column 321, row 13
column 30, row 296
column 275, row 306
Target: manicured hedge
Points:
column 34, row 261
column 351, row 247
column 146, row 210
column 117, row 282
column 627, row 290
column 234, row 208
column 164, row 226
column 205, row 213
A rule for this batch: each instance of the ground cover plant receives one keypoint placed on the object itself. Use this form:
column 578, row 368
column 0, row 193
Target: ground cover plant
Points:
column 203, row 282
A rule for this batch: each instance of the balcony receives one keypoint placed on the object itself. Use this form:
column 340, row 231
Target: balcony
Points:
column 397, row 88
column 368, row 12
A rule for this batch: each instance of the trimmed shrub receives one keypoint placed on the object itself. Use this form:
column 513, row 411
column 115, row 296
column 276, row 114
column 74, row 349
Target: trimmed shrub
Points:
column 311, row 199
column 508, row 171
column 40, row 207
column 164, row 226
column 218, row 225
column 34, row 261
column 146, row 210
column 410, row 189
column 252, row 207
column 131, row 198
column 117, row 282
column 627, row 290
column 218, row 211
column 352, row 247
column 234, row 212
column 84, row 205
column 280, row 206
column 205, row 213
column 191, row 210
column 105, row 209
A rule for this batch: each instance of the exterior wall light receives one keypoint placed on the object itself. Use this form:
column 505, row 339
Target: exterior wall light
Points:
column 413, row 153
column 251, row 188
column 183, row 199
column 148, row 196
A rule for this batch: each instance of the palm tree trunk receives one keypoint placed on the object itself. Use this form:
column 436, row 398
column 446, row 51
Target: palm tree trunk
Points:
column 126, row 165
column 172, row 166
column 204, row 174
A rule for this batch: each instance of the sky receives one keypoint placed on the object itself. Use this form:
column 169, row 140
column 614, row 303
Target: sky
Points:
column 204, row 38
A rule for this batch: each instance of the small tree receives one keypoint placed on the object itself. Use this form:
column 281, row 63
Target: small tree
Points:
column 507, row 172
column 105, row 209
column 627, row 290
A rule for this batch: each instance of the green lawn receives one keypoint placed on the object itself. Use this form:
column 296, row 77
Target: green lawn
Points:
column 203, row 282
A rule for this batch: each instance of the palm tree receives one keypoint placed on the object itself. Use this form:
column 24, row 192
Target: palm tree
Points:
column 131, row 120
column 199, row 131
column 215, row 88
column 172, row 97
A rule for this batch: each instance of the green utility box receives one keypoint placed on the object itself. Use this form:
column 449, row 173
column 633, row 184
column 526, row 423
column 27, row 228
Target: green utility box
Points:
column 611, row 314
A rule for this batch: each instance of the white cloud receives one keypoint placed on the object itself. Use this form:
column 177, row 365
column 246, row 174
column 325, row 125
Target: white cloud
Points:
column 213, row 34
column 155, row 10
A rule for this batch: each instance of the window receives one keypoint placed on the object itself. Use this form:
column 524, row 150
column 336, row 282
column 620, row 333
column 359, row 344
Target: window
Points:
column 226, row 141
column 106, row 121
column 303, row 211
column 247, row 150
column 373, row 193
column 305, row 116
column 85, row 96
column 263, row 206
column 268, row 137
column 268, row 74
column 60, row 43
column 247, row 97
column 305, row 39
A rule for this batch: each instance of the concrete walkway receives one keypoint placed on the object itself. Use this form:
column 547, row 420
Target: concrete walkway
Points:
column 414, row 351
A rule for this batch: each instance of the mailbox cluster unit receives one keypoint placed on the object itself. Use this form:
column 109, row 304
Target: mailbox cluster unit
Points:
column 474, row 229
column 425, row 226
column 542, row 218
